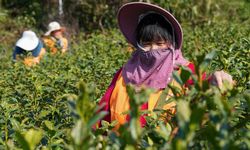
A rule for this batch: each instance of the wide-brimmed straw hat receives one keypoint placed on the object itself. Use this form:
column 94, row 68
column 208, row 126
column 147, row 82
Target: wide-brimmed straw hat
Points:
column 28, row 41
column 53, row 26
column 130, row 13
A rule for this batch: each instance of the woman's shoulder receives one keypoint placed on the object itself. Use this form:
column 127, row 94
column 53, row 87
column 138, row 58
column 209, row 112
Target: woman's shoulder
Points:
column 64, row 39
column 118, row 72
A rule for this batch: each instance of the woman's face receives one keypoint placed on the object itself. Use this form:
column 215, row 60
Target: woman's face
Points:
column 149, row 46
column 57, row 33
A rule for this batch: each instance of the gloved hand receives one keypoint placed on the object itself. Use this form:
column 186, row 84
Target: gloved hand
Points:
column 219, row 78
column 59, row 43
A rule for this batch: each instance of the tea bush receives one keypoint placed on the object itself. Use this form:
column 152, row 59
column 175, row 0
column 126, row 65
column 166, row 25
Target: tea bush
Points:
column 52, row 105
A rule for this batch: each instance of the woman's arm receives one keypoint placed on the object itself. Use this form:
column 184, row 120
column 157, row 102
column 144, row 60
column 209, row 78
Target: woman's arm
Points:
column 218, row 78
column 30, row 61
column 65, row 45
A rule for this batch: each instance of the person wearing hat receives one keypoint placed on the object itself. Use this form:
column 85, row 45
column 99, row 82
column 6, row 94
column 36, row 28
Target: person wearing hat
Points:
column 54, row 39
column 157, row 38
column 29, row 49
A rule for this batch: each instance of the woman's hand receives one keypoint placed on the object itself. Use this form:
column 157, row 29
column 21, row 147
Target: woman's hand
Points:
column 221, row 77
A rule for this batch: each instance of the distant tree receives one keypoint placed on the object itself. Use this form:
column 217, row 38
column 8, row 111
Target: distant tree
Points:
column 85, row 15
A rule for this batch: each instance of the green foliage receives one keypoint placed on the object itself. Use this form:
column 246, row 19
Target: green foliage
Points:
column 53, row 105
column 207, row 116
column 39, row 97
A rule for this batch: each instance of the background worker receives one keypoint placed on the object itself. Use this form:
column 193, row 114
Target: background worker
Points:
column 29, row 49
column 54, row 39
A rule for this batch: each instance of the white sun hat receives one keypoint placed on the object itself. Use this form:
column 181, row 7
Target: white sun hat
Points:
column 28, row 41
column 53, row 26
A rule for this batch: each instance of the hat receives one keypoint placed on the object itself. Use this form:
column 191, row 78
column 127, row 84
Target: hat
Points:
column 53, row 26
column 130, row 13
column 28, row 41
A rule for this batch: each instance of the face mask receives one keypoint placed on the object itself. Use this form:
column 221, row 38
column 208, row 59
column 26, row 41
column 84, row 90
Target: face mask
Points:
column 152, row 69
